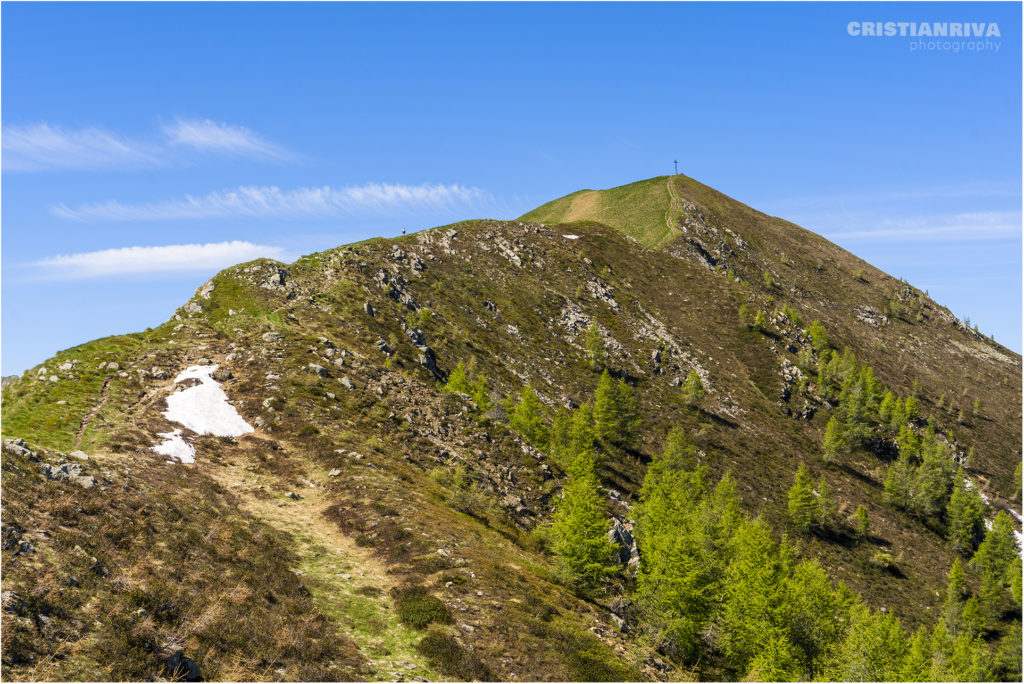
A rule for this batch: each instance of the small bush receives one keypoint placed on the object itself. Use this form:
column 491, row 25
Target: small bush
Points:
column 883, row 560
column 451, row 659
column 417, row 608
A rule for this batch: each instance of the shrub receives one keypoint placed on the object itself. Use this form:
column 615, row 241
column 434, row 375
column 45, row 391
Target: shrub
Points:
column 760, row 322
column 418, row 608
column 693, row 390
column 862, row 524
column 792, row 315
column 451, row 659
column 882, row 560
column 819, row 339
column 594, row 345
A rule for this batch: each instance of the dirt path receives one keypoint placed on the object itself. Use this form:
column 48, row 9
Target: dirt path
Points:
column 582, row 206
column 675, row 208
column 87, row 418
column 348, row 583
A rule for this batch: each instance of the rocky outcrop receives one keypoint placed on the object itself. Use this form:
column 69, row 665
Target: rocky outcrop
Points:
column 69, row 472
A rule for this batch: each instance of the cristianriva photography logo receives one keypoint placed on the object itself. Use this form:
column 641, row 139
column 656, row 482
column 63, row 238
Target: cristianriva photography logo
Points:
column 933, row 36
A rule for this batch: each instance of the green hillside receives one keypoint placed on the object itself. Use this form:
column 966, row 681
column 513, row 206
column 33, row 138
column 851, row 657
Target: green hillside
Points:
column 448, row 426
column 643, row 210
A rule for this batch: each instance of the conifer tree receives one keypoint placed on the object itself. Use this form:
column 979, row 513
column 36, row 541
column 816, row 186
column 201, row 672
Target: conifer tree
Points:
column 629, row 417
column 581, row 430
column 616, row 416
column 918, row 662
column 593, row 343
column 827, row 506
column 898, row 480
column 862, row 524
column 874, row 648
column 855, row 409
column 693, row 390
column 481, row 393
column 754, row 604
column 871, row 391
column 910, row 410
column 885, row 409
column 956, row 593
column 834, row 443
column 677, row 541
column 972, row 618
column 966, row 517
column 994, row 559
column 526, row 419
column 746, row 317
column 572, row 433
column 929, row 492
column 579, row 529
column 457, row 380
column 1006, row 665
column 1014, row 574
column 819, row 338
column 803, row 508
column 815, row 617
column 940, row 646
column 909, row 443
column 760, row 322
column 606, row 418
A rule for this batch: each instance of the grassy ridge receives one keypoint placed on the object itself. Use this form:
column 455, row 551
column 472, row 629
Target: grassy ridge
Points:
column 637, row 209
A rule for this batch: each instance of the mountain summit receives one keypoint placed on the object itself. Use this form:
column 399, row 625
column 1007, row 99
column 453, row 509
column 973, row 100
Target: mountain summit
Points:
column 480, row 451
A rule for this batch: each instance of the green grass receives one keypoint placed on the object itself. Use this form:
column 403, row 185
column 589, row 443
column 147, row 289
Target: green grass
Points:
column 31, row 408
column 637, row 209
column 366, row 613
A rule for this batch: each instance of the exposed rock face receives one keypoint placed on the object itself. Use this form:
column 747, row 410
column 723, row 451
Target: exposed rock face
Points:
column 622, row 538
column 869, row 315
column 18, row 447
column 276, row 281
column 69, row 472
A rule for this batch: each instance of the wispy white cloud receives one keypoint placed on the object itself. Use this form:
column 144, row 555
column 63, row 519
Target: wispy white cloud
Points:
column 211, row 136
column 162, row 259
column 970, row 226
column 41, row 146
column 379, row 198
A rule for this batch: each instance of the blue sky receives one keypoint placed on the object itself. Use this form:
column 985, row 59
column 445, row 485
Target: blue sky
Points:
column 146, row 146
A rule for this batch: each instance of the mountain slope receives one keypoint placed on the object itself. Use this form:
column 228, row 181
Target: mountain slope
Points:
column 337, row 362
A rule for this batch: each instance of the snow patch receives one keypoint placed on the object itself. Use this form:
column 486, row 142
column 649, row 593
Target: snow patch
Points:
column 969, row 485
column 175, row 447
column 1018, row 535
column 571, row 237
column 204, row 408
